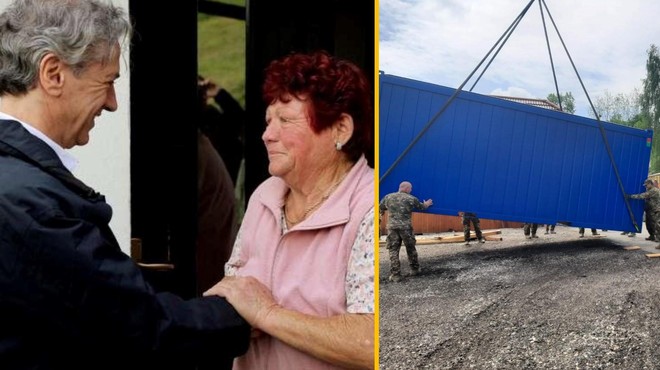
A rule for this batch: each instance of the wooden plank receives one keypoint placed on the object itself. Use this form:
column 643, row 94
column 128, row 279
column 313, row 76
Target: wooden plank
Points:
column 632, row 248
column 493, row 238
column 419, row 242
column 428, row 241
column 653, row 255
column 450, row 239
column 483, row 233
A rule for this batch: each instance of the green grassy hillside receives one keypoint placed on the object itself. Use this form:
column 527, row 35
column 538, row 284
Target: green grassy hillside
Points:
column 221, row 51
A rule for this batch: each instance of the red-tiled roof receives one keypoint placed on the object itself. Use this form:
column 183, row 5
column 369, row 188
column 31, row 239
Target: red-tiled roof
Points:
column 535, row 102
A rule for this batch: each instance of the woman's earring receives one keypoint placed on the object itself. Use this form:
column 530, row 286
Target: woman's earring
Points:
column 338, row 145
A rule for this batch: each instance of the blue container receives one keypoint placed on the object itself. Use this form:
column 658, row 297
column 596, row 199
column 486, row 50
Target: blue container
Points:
column 509, row 161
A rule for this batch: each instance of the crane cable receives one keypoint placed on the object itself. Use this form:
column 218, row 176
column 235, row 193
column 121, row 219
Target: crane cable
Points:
column 458, row 90
column 600, row 123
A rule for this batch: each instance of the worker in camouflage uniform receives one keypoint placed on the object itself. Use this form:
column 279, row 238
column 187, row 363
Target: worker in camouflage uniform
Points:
column 529, row 229
column 466, row 218
column 399, row 227
column 652, row 198
column 594, row 232
column 650, row 222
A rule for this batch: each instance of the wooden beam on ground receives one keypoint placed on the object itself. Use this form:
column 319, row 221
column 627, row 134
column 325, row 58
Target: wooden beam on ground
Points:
column 451, row 238
column 653, row 255
column 418, row 242
column 489, row 235
column 483, row 233
column 429, row 241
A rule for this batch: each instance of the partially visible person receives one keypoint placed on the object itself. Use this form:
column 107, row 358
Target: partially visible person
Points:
column 466, row 219
column 224, row 126
column 216, row 215
column 652, row 198
column 71, row 299
column 217, row 206
column 648, row 217
column 649, row 221
column 302, row 269
column 550, row 229
column 400, row 206
column 594, row 232
column 529, row 229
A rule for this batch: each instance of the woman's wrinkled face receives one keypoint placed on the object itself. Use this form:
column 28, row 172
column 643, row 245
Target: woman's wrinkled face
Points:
column 291, row 144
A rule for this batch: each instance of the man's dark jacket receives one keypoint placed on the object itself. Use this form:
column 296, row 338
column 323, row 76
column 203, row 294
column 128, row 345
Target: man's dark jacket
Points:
column 67, row 291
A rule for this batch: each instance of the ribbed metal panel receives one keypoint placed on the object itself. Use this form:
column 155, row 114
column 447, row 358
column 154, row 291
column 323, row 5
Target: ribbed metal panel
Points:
column 509, row 161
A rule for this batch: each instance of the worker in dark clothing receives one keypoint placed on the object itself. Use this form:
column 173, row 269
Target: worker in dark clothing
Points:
column 652, row 198
column 593, row 232
column 550, row 229
column 529, row 229
column 466, row 219
column 399, row 227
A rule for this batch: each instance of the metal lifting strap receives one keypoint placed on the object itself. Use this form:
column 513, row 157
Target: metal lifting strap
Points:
column 600, row 123
column 451, row 98
column 508, row 32
column 552, row 64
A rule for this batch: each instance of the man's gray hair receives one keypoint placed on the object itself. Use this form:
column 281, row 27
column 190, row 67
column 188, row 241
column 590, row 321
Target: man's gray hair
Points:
column 79, row 32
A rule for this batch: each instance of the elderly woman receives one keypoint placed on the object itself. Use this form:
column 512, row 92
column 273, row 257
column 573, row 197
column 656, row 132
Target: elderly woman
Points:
column 302, row 269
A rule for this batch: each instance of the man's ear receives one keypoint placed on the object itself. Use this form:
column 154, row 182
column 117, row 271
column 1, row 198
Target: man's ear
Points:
column 51, row 74
column 343, row 128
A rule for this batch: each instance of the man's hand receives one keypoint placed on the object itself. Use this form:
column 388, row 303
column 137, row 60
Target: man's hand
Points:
column 209, row 88
column 249, row 297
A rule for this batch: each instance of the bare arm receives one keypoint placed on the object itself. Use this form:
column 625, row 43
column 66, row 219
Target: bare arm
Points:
column 345, row 340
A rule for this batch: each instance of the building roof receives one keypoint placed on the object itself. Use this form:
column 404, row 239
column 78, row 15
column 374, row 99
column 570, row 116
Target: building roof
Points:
column 529, row 101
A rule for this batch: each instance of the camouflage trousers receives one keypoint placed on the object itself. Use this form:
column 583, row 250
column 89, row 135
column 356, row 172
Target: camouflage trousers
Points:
column 655, row 219
column 527, row 228
column 466, row 227
column 394, row 239
column 650, row 223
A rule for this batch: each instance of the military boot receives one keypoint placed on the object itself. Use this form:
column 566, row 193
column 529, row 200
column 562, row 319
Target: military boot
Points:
column 395, row 278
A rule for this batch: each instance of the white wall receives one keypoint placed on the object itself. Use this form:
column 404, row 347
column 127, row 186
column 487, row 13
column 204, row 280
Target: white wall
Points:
column 105, row 160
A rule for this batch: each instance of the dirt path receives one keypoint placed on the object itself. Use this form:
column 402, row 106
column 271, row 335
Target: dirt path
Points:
column 557, row 302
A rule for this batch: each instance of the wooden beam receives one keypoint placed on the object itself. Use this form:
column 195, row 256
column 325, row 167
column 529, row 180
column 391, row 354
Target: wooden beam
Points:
column 451, row 238
column 483, row 233
column 489, row 235
column 653, row 255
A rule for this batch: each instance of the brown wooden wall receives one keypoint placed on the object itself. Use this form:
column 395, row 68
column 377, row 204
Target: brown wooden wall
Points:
column 424, row 223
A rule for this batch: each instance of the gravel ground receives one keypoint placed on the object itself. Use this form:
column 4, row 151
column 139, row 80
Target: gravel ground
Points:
column 557, row 302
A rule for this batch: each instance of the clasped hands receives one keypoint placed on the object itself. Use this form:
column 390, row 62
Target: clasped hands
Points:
column 249, row 297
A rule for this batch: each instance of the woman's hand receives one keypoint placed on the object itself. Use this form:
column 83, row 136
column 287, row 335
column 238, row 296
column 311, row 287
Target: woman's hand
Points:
column 253, row 301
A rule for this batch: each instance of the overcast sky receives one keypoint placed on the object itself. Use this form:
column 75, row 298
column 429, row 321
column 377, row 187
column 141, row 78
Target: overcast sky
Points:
column 442, row 41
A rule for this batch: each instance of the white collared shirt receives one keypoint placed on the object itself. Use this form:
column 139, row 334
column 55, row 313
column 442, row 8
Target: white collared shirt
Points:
column 68, row 160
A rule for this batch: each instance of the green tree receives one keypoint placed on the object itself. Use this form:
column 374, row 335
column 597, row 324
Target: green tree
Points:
column 650, row 102
column 567, row 101
column 623, row 109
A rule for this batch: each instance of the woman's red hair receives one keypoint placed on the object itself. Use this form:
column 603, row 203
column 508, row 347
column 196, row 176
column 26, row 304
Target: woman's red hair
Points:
column 332, row 85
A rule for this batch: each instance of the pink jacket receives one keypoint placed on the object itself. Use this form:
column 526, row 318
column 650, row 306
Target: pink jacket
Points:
column 306, row 267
